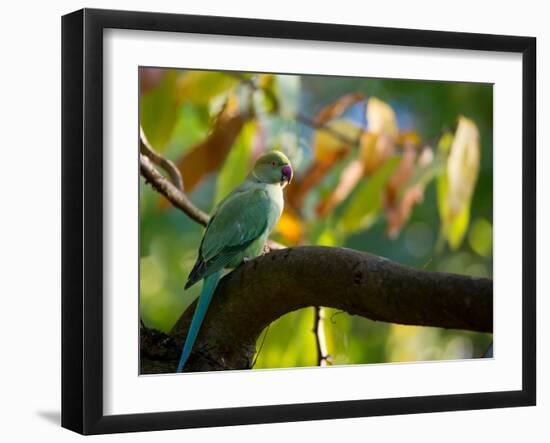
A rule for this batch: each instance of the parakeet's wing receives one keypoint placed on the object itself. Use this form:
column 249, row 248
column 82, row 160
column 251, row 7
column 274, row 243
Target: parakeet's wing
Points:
column 238, row 221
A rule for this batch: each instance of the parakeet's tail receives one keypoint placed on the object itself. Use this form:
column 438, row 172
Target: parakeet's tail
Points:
column 207, row 291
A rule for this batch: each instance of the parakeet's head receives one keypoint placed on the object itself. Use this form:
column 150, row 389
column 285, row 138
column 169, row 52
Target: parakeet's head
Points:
column 273, row 167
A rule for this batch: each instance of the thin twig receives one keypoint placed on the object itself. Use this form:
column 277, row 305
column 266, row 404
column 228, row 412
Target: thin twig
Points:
column 169, row 190
column 146, row 149
column 305, row 120
column 323, row 357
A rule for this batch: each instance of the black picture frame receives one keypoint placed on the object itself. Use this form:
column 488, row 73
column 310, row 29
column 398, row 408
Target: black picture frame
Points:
column 82, row 220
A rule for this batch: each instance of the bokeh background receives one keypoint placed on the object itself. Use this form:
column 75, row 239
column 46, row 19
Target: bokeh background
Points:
column 398, row 168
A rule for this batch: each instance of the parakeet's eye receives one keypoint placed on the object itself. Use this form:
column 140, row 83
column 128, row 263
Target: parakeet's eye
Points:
column 273, row 163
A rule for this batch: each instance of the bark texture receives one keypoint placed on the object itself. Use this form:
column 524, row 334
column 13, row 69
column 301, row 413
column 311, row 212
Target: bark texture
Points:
column 257, row 293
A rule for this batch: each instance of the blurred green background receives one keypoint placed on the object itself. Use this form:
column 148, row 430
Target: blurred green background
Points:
column 409, row 179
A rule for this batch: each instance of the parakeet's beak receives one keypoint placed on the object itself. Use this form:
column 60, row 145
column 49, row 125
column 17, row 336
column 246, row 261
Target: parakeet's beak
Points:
column 286, row 175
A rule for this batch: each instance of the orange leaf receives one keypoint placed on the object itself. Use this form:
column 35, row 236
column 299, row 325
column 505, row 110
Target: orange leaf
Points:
column 398, row 210
column 336, row 108
column 298, row 188
column 351, row 175
column 208, row 155
column 290, row 226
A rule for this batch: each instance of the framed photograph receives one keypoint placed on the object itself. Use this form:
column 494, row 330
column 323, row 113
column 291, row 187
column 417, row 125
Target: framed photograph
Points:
column 269, row 221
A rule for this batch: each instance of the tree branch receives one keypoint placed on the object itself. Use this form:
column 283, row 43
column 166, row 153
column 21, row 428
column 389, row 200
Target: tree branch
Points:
column 257, row 293
column 173, row 194
column 323, row 357
column 146, row 149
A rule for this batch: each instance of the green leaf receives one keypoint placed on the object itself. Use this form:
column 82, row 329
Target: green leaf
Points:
column 237, row 163
column 452, row 228
column 442, row 191
column 457, row 228
column 480, row 237
column 288, row 342
column 199, row 87
column 191, row 128
column 366, row 201
column 445, row 143
column 158, row 111
column 455, row 186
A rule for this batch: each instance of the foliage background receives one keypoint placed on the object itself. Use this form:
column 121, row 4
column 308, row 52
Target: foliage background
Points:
column 213, row 125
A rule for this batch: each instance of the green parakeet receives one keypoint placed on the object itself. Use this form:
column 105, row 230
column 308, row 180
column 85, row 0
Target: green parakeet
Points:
column 237, row 231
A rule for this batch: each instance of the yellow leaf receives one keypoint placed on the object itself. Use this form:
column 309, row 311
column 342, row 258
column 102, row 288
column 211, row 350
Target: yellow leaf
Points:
column 326, row 143
column 381, row 118
column 201, row 86
column 445, row 143
column 463, row 165
column 378, row 143
column 455, row 187
column 458, row 227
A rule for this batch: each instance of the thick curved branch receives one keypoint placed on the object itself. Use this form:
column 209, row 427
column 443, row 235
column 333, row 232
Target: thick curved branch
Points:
column 257, row 293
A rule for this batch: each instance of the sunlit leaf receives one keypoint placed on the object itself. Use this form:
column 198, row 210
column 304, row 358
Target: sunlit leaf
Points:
column 445, row 142
column 199, row 87
column 374, row 150
column 456, row 186
column 463, row 165
column 458, row 226
column 366, row 202
column 378, row 142
column 381, row 118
